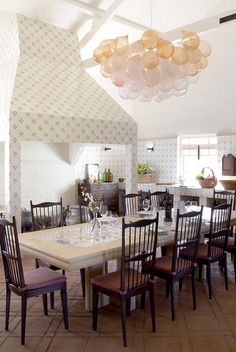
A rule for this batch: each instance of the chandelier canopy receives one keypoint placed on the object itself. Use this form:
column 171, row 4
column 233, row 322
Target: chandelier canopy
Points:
column 152, row 68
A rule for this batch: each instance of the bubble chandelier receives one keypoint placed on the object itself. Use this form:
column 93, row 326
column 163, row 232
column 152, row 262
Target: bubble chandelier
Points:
column 152, row 68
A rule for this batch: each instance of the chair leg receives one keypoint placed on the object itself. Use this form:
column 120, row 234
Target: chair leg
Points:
column 52, row 300
column 64, row 307
column 82, row 275
column 128, row 302
column 95, row 309
column 200, row 271
column 23, row 317
column 172, row 293
column 142, row 300
column 209, row 280
column 152, row 307
column 225, row 272
column 8, row 302
column 194, row 288
column 45, row 304
column 167, row 288
column 180, row 284
column 123, row 320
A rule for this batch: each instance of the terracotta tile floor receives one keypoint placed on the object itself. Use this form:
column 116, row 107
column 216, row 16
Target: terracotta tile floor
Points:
column 212, row 327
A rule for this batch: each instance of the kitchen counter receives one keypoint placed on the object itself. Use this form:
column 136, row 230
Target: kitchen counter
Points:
column 202, row 195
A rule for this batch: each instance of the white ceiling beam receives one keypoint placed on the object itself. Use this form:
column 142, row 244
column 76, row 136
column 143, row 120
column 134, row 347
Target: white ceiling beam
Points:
column 99, row 23
column 91, row 11
column 198, row 27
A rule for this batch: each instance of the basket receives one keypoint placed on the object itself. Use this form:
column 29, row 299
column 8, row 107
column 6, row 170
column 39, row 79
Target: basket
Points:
column 209, row 182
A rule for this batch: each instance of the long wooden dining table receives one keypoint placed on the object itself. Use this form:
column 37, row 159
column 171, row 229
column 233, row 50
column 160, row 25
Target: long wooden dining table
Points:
column 74, row 247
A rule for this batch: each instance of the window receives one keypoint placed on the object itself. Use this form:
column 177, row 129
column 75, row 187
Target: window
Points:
column 197, row 152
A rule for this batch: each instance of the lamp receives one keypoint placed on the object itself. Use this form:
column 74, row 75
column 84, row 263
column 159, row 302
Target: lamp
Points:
column 150, row 149
column 107, row 149
column 152, row 68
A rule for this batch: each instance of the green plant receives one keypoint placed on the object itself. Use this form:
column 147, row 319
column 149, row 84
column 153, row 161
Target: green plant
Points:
column 144, row 168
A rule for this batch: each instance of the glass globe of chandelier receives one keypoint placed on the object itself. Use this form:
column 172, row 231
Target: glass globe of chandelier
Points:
column 152, row 68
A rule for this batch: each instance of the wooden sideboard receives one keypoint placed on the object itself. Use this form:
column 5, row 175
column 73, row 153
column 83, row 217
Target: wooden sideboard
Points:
column 106, row 191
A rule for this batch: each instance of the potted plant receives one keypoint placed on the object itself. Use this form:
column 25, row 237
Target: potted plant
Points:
column 144, row 172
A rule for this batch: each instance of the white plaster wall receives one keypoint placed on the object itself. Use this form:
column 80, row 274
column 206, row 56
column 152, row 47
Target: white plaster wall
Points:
column 46, row 173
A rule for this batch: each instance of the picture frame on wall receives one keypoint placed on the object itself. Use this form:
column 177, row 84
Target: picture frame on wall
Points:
column 91, row 172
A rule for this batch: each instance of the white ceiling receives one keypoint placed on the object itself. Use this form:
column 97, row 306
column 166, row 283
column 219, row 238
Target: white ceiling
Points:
column 209, row 106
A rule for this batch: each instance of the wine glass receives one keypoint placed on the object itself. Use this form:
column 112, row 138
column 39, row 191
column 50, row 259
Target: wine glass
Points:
column 187, row 205
column 146, row 204
column 103, row 210
column 194, row 205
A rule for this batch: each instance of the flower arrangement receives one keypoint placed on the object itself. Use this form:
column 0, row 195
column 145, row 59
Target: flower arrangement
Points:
column 92, row 203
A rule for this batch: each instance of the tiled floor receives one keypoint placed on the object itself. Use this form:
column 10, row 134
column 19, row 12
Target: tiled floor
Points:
column 212, row 327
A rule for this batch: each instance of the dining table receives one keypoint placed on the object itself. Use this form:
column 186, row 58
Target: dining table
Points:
column 76, row 246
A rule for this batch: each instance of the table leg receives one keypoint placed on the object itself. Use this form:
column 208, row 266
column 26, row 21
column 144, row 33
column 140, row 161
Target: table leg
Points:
column 91, row 272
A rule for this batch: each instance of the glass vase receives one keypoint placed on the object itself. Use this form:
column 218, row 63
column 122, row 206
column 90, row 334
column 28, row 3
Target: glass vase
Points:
column 95, row 224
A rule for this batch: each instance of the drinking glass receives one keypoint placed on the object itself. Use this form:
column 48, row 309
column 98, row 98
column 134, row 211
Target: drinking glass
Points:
column 146, row 204
column 103, row 210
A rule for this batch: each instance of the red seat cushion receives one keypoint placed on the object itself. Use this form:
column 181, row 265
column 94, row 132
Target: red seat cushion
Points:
column 42, row 277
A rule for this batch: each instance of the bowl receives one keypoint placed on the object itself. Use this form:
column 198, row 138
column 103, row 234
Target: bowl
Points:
column 228, row 184
column 121, row 179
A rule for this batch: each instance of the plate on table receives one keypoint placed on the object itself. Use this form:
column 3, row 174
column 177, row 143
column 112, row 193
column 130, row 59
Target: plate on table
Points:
column 162, row 230
column 108, row 220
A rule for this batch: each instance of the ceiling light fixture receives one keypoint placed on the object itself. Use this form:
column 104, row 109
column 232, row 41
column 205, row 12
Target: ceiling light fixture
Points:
column 152, row 68
column 107, row 149
column 150, row 149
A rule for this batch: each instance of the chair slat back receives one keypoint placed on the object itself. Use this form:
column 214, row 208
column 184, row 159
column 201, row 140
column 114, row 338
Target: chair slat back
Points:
column 139, row 240
column 11, row 253
column 187, row 237
column 131, row 203
column 220, row 197
column 158, row 199
column 46, row 215
column 219, row 229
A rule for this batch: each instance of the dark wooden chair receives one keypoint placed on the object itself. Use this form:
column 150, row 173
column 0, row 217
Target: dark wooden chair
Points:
column 228, row 196
column 29, row 284
column 138, row 246
column 220, row 197
column 215, row 249
column 174, row 268
column 231, row 248
column 47, row 215
column 158, row 199
column 132, row 203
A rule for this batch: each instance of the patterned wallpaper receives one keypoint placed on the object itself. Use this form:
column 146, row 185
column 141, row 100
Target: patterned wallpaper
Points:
column 113, row 159
column 163, row 158
column 55, row 100
column 9, row 53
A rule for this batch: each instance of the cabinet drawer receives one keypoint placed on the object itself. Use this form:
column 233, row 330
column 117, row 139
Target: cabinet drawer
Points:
column 110, row 185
